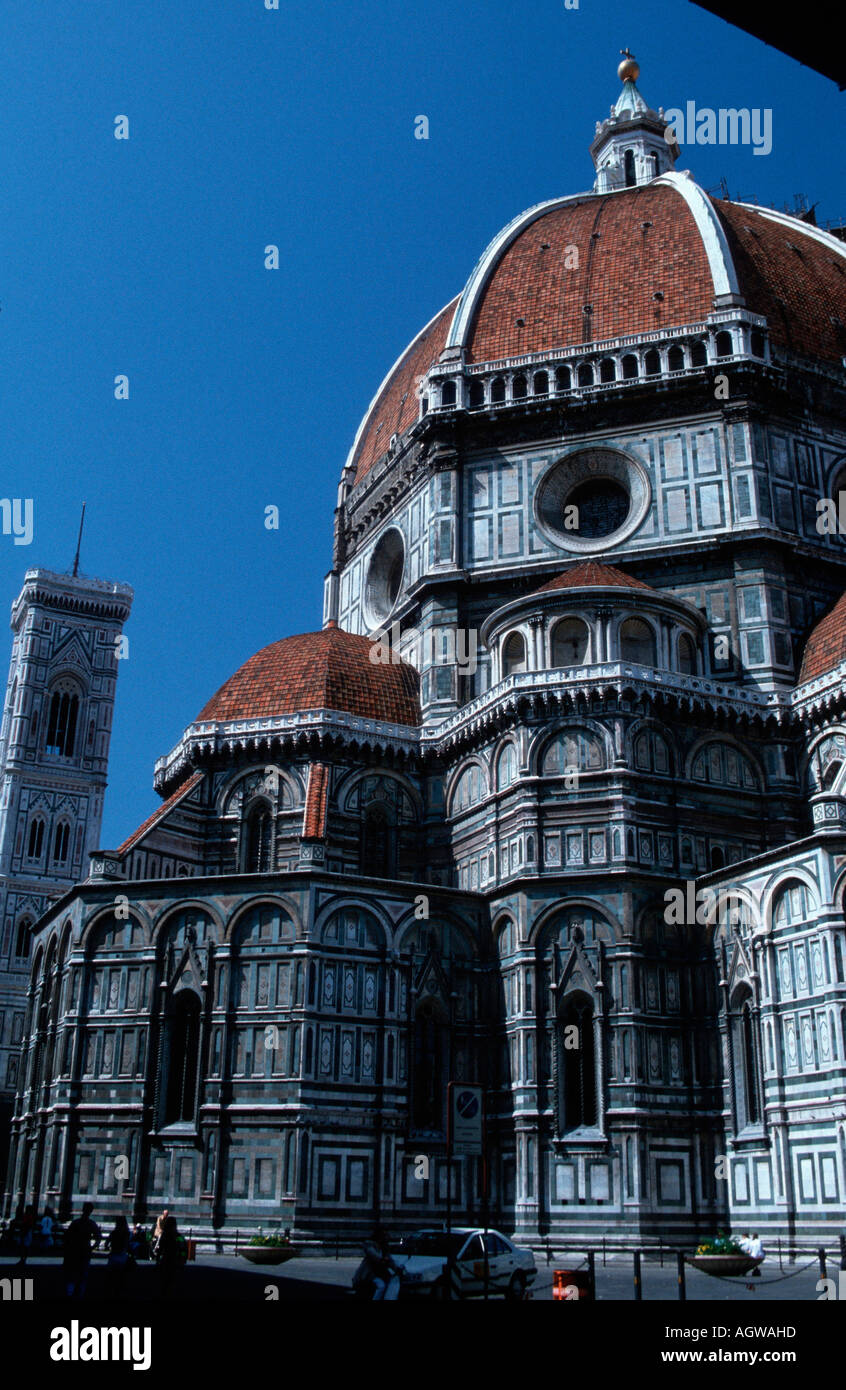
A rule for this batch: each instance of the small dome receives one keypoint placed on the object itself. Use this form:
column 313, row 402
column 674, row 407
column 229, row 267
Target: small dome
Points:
column 592, row 575
column 329, row 670
column 826, row 646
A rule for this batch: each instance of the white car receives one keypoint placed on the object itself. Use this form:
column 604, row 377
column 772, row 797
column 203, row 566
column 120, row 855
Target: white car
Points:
column 427, row 1269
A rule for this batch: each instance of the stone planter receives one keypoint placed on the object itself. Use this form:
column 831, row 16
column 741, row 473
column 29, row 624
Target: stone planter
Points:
column 723, row 1264
column 267, row 1254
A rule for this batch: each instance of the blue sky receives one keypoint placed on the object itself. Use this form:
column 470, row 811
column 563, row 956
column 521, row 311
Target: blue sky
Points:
column 145, row 257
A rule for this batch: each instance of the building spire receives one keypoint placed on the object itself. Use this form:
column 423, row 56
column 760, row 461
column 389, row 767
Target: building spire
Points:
column 629, row 147
column 78, row 543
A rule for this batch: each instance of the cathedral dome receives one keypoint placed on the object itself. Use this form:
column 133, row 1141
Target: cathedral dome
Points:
column 328, row 670
column 826, row 646
column 576, row 275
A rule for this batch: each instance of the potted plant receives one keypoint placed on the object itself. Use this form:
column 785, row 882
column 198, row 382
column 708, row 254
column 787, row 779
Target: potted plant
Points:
column 722, row 1255
column 274, row 1249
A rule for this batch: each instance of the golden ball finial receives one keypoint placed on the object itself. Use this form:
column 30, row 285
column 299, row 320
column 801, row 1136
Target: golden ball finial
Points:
column 629, row 69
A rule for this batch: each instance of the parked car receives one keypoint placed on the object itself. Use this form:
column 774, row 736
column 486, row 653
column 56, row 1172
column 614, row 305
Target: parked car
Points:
column 428, row 1269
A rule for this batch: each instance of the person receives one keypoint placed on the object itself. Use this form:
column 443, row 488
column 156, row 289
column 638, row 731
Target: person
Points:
column 138, row 1242
column 157, row 1232
column 79, row 1238
column 170, row 1254
column 120, row 1257
column 46, row 1229
column 26, row 1226
column 756, row 1250
column 384, row 1273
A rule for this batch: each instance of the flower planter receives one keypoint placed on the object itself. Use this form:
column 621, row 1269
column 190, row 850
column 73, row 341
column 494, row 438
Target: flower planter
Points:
column 267, row 1254
column 723, row 1264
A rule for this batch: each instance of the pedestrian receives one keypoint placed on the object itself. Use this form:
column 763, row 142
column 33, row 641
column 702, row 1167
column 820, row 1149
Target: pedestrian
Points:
column 138, row 1242
column 120, row 1258
column 170, row 1255
column 46, row 1228
column 756, row 1250
column 81, row 1235
column 26, row 1227
column 157, row 1232
column 384, row 1273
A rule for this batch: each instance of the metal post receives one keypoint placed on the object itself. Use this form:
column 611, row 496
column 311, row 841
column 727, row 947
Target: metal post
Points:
column 638, row 1290
column 843, row 1252
column 661, row 1250
column 780, row 1261
column 603, row 1252
column 682, row 1288
column 821, row 1253
column 591, row 1259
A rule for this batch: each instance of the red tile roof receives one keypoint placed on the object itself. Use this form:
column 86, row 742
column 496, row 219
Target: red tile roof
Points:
column 397, row 406
column 329, row 670
column 181, row 791
column 621, row 266
column 590, row 574
column 826, row 646
column 798, row 291
column 317, row 800
column 631, row 246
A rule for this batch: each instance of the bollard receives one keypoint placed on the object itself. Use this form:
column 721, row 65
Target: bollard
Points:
column 591, row 1259
column 821, row 1253
column 638, row 1291
column 682, row 1287
column 843, row 1252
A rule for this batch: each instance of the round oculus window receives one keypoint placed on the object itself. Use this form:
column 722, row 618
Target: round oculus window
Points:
column 590, row 498
column 384, row 576
column 601, row 507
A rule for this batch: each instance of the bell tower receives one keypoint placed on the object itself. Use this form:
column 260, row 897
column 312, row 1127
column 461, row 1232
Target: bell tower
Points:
column 54, row 747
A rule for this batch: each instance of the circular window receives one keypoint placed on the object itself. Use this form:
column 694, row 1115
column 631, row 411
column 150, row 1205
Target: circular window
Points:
column 591, row 497
column 384, row 577
column 602, row 506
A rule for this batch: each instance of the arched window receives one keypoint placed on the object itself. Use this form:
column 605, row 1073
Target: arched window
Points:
column 61, row 840
column 608, row 369
column 448, row 393
column 652, row 362
column 36, row 839
column 637, row 642
column 540, row 384
column 519, row 388
column 630, row 366
column 183, row 1031
column 569, row 642
column 429, row 1056
column 747, row 1053
column 725, row 347
column 469, row 789
column 567, row 751
column 756, row 343
column 585, row 374
column 22, row 938
column 506, row 767
column 497, row 390
column 377, row 858
column 687, row 656
column 513, row 655
column 562, row 379
column 629, row 168
column 718, row 859
column 477, row 394
column 675, row 358
column 577, row 1064
column 62, row 720
column 699, row 355
column 258, row 840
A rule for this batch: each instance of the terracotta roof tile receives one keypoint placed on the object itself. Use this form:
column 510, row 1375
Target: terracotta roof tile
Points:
column 181, row 791
column 621, row 266
column 329, row 670
column 826, row 646
column 591, row 574
column 398, row 407
column 317, row 801
column 799, row 291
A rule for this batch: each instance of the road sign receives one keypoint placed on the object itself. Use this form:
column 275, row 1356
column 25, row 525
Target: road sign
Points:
column 467, row 1118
